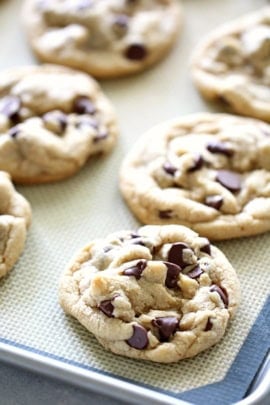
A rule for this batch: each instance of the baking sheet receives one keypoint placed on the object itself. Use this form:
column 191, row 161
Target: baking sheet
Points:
column 67, row 215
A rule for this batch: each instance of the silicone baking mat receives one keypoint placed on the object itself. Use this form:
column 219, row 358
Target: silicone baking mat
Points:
column 67, row 215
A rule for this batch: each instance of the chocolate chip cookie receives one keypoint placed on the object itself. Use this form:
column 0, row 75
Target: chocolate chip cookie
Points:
column 210, row 172
column 161, row 293
column 15, row 218
column 105, row 38
column 232, row 64
column 52, row 119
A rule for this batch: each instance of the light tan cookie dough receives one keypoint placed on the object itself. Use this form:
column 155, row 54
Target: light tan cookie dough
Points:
column 162, row 293
column 52, row 119
column 232, row 64
column 15, row 218
column 210, row 172
column 106, row 38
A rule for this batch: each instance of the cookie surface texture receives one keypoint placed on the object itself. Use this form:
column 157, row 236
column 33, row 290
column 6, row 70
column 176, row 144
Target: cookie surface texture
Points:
column 161, row 293
column 52, row 119
column 232, row 64
column 210, row 172
column 15, row 218
column 105, row 38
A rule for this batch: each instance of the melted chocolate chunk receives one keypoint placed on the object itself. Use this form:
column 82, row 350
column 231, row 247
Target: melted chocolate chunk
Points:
column 139, row 339
column 222, row 293
column 206, row 249
column 214, row 201
column 10, row 107
column 208, row 325
column 14, row 132
column 56, row 116
column 173, row 271
column 136, row 52
column 176, row 256
column 107, row 307
column 229, row 180
column 136, row 270
column 165, row 214
column 83, row 4
column 220, row 147
column 137, row 241
column 169, row 168
column 107, row 249
column 167, row 326
column 134, row 235
column 83, row 105
column 87, row 122
column 195, row 272
column 121, row 21
column 198, row 163
column 100, row 137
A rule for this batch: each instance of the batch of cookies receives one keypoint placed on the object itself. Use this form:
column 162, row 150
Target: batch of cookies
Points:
column 162, row 292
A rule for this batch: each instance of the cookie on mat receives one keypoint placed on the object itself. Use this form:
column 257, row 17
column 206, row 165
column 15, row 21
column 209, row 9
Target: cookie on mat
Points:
column 210, row 172
column 162, row 293
column 105, row 38
column 233, row 64
column 15, row 218
column 52, row 119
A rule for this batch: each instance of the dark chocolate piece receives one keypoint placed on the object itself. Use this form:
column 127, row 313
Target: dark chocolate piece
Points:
column 214, row 201
column 167, row 326
column 173, row 271
column 222, row 293
column 229, row 180
column 136, row 270
column 139, row 339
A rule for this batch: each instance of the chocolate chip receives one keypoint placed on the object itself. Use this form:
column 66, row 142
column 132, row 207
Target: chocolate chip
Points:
column 121, row 21
column 100, row 137
column 55, row 120
column 107, row 307
column 137, row 241
column 169, row 168
column 167, row 326
column 134, row 235
column 87, row 122
column 176, row 256
column 229, row 180
column 10, row 107
column 220, row 147
column 165, row 214
column 195, row 272
column 214, row 201
column 222, row 293
column 83, row 105
column 136, row 52
column 173, row 271
column 198, row 163
column 139, row 339
column 107, row 249
column 136, row 270
column 206, row 248
column 208, row 325
column 83, row 4
column 13, row 132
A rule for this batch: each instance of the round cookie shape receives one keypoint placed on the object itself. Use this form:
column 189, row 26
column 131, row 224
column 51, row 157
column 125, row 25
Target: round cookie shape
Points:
column 15, row 218
column 232, row 64
column 105, row 38
column 161, row 293
column 210, row 172
column 52, row 119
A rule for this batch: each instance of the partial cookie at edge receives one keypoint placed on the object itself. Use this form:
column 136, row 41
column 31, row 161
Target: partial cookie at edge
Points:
column 15, row 218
